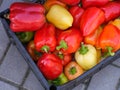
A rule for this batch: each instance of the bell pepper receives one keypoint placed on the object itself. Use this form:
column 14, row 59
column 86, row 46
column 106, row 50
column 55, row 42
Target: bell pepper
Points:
column 109, row 39
column 92, row 38
column 32, row 51
column 49, row 3
column 91, row 19
column 116, row 22
column 45, row 39
column 60, row 17
column 50, row 66
column 26, row 16
column 71, row 2
column 65, row 58
column 97, row 3
column 112, row 10
column 86, row 56
column 62, row 79
column 69, row 41
column 76, row 12
column 25, row 37
column 72, row 70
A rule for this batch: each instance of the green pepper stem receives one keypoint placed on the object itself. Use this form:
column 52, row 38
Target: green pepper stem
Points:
column 45, row 48
column 83, row 50
column 109, row 52
column 63, row 45
column 72, row 70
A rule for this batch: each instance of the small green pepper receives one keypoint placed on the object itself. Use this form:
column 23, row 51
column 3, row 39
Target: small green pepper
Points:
column 60, row 80
column 25, row 37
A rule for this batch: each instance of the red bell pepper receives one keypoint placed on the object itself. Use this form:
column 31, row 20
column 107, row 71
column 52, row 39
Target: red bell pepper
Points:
column 45, row 39
column 69, row 40
column 65, row 58
column 98, row 3
column 26, row 16
column 91, row 19
column 76, row 12
column 112, row 10
column 50, row 65
column 71, row 2
column 92, row 38
column 109, row 39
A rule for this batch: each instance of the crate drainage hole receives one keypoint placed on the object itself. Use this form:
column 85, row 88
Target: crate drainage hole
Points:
column 53, row 87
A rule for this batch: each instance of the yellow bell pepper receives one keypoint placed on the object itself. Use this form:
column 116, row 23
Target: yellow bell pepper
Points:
column 60, row 17
column 116, row 22
column 86, row 56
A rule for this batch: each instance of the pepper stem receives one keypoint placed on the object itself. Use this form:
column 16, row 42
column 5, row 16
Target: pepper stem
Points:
column 109, row 52
column 45, row 48
column 72, row 70
column 83, row 50
column 63, row 45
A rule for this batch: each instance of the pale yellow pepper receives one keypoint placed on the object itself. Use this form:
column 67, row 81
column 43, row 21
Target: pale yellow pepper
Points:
column 86, row 56
column 116, row 22
column 60, row 17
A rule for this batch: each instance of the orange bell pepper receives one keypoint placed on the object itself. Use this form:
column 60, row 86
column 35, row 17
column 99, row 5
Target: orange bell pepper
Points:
column 109, row 39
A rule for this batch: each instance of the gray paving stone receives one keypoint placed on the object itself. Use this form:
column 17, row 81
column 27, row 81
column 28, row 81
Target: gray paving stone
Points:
column 5, row 86
column 14, row 66
column 117, row 62
column 80, row 87
column 3, row 39
column 105, row 79
column 32, row 83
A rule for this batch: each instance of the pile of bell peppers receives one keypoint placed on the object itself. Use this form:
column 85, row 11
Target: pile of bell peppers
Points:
column 65, row 38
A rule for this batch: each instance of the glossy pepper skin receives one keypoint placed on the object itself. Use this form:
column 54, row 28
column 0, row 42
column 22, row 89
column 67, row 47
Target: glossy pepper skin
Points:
column 25, row 37
column 109, row 39
column 69, row 41
column 91, row 19
column 90, row 3
column 26, row 16
column 45, row 39
column 76, row 12
column 92, row 38
column 112, row 10
column 50, row 65
column 71, row 2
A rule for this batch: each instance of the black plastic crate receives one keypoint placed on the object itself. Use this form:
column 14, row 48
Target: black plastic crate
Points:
column 67, row 86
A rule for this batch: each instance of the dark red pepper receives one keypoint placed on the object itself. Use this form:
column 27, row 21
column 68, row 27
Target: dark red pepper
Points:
column 91, row 19
column 50, row 65
column 112, row 10
column 26, row 16
column 76, row 12
column 45, row 39
column 90, row 3
column 69, row 40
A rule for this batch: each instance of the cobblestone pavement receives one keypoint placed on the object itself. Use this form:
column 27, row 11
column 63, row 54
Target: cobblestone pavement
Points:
column 15, row 74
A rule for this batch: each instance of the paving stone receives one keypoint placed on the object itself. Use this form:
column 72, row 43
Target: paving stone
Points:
column 117, row 62
column 14, row 66
column 80, row 87
column 105, row 79
column 5, row 86
column 32, row 83
column 3, row 39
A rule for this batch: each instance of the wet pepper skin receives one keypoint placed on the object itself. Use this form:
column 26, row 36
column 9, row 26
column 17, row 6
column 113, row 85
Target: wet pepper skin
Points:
column 26, row 16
